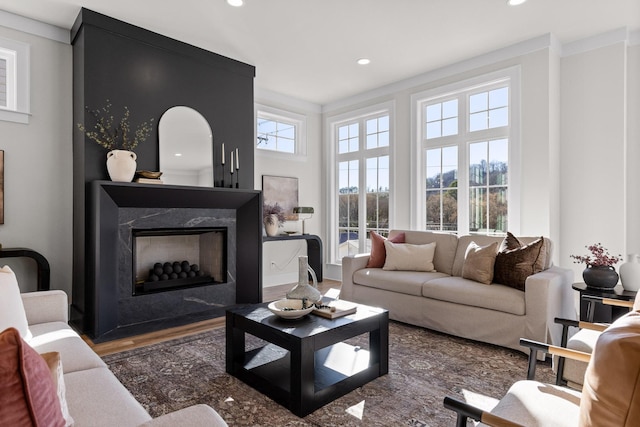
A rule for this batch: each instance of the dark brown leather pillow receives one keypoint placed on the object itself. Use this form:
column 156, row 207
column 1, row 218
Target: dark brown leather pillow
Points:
column 513, row 266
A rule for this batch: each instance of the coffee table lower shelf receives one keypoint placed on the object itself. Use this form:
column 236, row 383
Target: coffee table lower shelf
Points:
column 338, row 369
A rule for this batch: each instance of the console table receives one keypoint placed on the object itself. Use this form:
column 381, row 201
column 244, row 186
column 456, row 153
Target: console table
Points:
column 44, row 272
column 314, row 249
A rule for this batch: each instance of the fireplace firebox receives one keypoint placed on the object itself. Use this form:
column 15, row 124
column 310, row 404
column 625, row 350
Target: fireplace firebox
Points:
column 166, row 259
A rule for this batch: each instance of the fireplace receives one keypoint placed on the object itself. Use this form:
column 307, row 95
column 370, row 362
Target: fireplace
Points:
column 166, row 259
column 125, row 217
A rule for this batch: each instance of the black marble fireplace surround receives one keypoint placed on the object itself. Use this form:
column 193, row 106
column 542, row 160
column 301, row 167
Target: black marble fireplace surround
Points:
column 119, row 208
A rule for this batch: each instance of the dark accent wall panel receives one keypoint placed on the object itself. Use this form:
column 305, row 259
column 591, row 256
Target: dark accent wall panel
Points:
column 149, row 73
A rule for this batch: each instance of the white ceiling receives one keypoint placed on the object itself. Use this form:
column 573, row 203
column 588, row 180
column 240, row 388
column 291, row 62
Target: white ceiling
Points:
column 307, row 49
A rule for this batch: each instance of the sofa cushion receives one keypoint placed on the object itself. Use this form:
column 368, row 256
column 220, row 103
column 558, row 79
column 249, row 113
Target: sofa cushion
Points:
column 76, row 355
column 408, row 257
column 405, row 282
column 446, row 244
column 27, row 392
column 12, row 313
column 513, row 266
column 96, row 398
column 378, row 253
column 479, row 262
column 467, row 292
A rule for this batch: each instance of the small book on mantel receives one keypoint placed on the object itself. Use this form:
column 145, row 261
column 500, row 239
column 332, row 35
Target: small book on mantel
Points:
column 336, row 308
column 148, row 180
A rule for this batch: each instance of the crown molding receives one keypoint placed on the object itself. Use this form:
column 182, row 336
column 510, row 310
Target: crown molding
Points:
column 32, row 26
column 595, row 42
column 265, row 96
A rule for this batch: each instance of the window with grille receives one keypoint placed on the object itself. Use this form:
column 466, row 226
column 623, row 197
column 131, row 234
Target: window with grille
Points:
column 14, row 81
column 362, row 190
column 465, row 140
column 280, row 131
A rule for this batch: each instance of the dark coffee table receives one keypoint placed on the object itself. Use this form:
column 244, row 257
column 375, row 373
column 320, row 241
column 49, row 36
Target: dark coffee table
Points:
column 305, row 363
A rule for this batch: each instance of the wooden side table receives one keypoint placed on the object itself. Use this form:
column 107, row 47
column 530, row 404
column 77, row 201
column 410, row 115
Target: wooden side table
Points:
column 591, row 311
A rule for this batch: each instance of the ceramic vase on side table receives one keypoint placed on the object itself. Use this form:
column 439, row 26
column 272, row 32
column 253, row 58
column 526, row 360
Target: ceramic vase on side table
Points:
column 630, row 273
column 603, row 277
column 121, row 165
column 271, row 225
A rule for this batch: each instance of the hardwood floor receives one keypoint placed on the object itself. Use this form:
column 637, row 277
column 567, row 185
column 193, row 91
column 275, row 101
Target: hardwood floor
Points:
column 270, row 293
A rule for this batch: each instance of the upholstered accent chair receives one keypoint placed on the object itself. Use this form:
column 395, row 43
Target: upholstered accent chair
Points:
column 570, row 372
column 610, row 395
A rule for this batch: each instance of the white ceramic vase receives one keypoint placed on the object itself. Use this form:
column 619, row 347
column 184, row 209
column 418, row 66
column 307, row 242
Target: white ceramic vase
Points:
column 630, row 273
column 121, row 165
column 271, row 227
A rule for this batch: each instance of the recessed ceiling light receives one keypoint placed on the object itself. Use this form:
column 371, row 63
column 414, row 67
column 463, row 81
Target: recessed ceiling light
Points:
column 178, row 154
column 235, row 3
column 363, row 61
column 515, row 2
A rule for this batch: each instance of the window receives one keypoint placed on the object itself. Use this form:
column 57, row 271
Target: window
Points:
column 14, row 81
column 3, row 82
column 362, row 187
column 279, row 131
column 466, row 139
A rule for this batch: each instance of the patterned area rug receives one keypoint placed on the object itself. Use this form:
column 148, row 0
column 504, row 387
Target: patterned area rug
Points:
column 424, row 367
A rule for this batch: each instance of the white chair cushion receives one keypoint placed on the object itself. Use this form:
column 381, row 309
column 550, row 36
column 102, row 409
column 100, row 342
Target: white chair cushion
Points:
column 11, row 309
column 534, row 404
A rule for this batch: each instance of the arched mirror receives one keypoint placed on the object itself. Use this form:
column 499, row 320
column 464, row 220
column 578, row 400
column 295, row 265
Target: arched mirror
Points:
column 186, row 148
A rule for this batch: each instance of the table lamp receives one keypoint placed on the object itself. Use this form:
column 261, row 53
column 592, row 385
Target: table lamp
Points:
column 300, row 210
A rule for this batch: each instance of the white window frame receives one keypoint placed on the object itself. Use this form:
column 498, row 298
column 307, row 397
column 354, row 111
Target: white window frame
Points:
column 298, row 121
column 332, row 125
column 17, row 55
column 418, row 165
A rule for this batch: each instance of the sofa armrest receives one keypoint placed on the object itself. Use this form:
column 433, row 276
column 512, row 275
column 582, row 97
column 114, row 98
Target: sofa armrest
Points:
column 193, row 416
column 46, row 306
column 548, row 295
column 351, row 264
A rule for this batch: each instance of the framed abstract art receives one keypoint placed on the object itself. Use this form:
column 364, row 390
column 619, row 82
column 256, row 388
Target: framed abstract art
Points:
column 283, row 191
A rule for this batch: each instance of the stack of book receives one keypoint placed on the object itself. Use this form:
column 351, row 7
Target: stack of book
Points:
column 147, row 177
column 335, row 308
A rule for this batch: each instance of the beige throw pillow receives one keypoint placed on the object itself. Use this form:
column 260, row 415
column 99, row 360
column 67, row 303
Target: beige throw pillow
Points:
column 55, row 366
column 479, row 262
column 405, row 256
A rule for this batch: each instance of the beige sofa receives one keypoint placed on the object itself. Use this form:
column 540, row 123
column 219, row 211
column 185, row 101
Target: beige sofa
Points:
column 444, row 301
column 93, row 394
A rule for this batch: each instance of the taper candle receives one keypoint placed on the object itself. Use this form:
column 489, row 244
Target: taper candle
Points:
column 231, row 163
column 237, row 159
column 223, row 153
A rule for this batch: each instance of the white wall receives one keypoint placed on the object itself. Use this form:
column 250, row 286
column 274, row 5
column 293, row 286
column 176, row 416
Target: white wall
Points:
column 538, row 67
column 38, row 166
column 593, row 149
column 280, row 259
column 633, row 150
column 580, row 140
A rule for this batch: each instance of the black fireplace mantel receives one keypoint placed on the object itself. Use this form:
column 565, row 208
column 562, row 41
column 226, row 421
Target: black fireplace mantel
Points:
column 97, row 312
